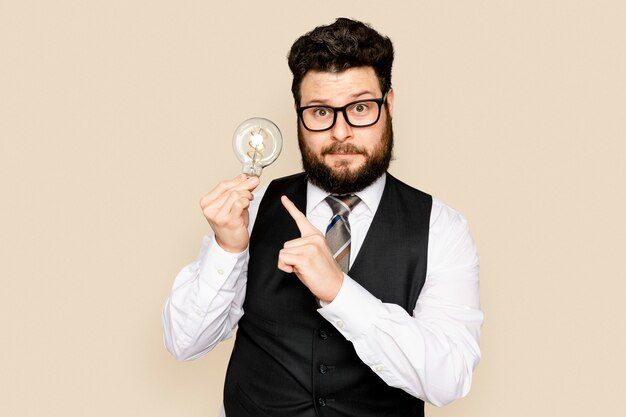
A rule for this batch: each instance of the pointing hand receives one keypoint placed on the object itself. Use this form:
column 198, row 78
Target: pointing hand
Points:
column 310, row 258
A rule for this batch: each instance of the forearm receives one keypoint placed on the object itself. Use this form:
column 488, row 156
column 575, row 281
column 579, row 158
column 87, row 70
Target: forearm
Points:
column 204, row 305
column 430, row 355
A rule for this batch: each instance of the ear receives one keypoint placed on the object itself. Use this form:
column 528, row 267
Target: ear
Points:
column 390, row 98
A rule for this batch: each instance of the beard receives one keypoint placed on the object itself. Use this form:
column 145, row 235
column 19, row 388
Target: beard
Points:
column 339, row 179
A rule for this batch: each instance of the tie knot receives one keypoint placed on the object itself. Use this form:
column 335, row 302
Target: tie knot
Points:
column 342, row 204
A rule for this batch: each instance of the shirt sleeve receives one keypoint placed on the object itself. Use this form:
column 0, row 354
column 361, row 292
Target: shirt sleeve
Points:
column 432, row 353
column 204, row 305
column 206, row 300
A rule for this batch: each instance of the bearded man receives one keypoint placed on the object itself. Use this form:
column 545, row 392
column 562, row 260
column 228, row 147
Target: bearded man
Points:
column 354, row 294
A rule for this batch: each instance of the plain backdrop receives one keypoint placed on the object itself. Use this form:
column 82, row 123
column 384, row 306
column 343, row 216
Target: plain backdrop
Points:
column 116, row 117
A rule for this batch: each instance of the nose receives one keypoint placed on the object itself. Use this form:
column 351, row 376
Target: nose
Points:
column 341, row 131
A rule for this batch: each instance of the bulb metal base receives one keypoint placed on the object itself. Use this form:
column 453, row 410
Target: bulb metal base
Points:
column 251, row 169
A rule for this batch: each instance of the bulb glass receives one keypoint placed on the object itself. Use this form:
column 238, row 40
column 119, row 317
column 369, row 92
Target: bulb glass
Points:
column 257, row 142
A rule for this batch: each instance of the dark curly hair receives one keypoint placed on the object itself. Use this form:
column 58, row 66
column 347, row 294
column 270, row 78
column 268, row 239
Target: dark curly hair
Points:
column 344, row 44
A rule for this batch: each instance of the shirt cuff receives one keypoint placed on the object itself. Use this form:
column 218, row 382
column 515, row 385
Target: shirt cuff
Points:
column 353, row 311
column 217, row 264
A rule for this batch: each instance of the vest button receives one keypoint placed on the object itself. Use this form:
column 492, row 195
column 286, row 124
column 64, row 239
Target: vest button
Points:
column 323, row 369
column 321, row 401
column 323, row 335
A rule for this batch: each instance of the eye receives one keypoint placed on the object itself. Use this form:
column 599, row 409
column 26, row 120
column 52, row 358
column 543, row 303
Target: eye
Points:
column 321, row 112
column 360, row 107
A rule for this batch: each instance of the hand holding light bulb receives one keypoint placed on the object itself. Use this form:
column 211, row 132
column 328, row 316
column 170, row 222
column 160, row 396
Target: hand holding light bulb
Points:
column 257, row 143
column 226, row 209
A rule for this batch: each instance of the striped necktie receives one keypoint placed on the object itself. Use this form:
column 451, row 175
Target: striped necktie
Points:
column 338, row 230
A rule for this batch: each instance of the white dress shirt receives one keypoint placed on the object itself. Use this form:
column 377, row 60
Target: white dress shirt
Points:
column 430, row 354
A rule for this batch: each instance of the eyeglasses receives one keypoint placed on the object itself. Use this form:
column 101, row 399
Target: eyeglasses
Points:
column 360, row 113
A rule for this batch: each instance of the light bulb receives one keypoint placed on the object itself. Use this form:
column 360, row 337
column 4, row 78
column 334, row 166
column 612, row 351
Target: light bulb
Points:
column 257, row 143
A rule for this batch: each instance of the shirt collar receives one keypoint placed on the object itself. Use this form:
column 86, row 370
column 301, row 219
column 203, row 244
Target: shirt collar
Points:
column 370, row 196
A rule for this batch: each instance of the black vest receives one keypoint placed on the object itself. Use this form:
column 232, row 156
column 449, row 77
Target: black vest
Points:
column 288, row 361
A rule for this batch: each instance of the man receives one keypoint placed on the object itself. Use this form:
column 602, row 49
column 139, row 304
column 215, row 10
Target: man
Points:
column 354, row 294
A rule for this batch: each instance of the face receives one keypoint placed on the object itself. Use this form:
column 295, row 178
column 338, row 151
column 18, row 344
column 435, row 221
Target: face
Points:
column 345, row 159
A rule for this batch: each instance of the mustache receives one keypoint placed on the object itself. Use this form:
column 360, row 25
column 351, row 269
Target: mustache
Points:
column 343, row 148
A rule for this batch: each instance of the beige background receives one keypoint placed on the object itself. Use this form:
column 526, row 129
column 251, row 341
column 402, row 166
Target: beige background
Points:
column 116, row 117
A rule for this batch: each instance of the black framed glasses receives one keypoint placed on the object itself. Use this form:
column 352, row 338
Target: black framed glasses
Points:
column 360, row 113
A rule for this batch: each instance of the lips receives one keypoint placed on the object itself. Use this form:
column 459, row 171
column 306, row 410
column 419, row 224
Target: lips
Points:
column 343, row 153
column 342, row 149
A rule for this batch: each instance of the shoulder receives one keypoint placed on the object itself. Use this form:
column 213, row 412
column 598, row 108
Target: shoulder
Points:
column 409, row 197
column 450, row 241
column 443, row 215
column 402, row 186
column 445, row 222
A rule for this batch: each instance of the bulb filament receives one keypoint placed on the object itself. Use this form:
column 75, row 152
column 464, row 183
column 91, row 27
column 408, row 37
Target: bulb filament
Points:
column 256, row 142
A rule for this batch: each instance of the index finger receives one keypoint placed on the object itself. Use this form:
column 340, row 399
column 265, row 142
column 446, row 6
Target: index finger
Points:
column 247, row 183
column 304, row 225
column 240, row 183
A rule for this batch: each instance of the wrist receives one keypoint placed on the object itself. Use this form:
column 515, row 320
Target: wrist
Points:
column 335, row 288
column 238, row 248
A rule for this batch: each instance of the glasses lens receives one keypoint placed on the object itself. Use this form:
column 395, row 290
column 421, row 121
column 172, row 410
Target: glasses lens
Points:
column 363, row 113
column 318, row 118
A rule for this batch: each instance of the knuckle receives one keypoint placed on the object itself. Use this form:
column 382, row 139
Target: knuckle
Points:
column 223, row 186
column 220, row 220
column 319, row 251
column 207, row 200
column 318, row 239
column 208, row 213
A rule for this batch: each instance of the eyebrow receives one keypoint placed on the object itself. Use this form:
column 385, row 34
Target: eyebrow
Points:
column 324, row 102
